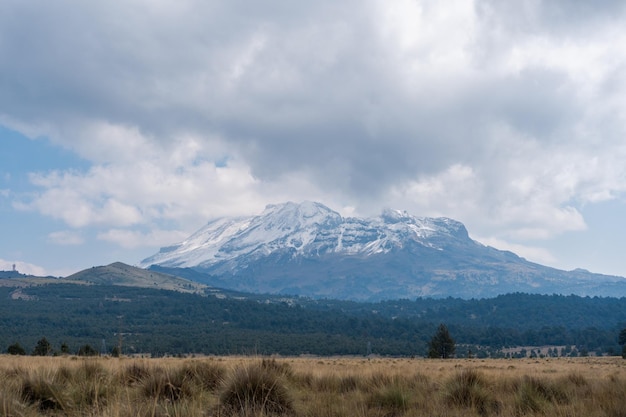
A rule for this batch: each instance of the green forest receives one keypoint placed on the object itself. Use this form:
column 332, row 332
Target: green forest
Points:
column 159, row 322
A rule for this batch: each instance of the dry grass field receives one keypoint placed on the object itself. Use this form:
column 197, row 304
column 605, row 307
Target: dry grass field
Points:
column 312, row 387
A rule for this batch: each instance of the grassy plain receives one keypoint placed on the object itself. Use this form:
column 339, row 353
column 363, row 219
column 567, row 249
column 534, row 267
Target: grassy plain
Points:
column 312, row 387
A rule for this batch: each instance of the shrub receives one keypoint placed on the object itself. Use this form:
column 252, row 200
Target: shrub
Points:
column 256, row 388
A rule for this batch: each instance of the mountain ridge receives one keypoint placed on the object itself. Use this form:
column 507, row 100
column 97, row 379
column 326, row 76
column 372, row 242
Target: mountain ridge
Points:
column 300, row 226
column 308, row 249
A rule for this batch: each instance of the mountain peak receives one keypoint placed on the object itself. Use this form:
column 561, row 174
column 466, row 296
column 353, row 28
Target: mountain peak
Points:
column 308, row 207
column 394, row 216
column 293, row 215
column 301, row 229
column 308, row 249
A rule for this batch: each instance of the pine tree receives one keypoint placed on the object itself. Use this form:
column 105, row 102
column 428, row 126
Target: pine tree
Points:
column 622, row 342
column 441, row 345
column 43, row 347
column 16, row 349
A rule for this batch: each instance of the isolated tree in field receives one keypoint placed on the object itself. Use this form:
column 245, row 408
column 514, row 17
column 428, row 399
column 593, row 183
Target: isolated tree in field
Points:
column 87, row 350
column 43, row 347
column 622, row 342
column 442, row 345
column 16, row 349
column 115, row 352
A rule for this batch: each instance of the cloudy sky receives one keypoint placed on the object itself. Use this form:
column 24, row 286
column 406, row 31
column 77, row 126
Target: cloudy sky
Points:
column 127, row 125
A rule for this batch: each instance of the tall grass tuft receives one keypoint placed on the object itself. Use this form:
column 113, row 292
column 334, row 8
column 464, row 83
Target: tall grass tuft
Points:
column 379, row 380
column 577, row 379
column 326, row 383
column 8, row 405
column 91, row 370
column 133, row 374
column 349, row 383
column 90, row 385
column 534, row 395
column 392, row 399
column 165, row 384
column 64, row 374
column 208, row 376
column 612, row 397
column 45, row 390
column 470, row 389
column 280, row 368
column 255, row 389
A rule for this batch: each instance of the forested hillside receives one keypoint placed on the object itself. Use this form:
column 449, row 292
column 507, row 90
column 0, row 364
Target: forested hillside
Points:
column 166, row 322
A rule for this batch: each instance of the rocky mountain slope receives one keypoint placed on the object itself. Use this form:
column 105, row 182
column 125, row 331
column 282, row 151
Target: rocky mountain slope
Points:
column 309, row 249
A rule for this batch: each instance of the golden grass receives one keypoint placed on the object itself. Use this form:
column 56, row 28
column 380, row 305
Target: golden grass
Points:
column 320, row 387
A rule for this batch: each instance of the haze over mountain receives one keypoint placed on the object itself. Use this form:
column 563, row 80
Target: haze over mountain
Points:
column 309, row 249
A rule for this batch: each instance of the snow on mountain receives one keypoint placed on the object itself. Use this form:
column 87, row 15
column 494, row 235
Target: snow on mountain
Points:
column 309, row 249
column 309, row 229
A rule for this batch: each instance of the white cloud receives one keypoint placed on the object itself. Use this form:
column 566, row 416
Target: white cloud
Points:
column 66, row 237
column 533, row 254
column 133, row 239
column 78, row 202
column 118, row 194
column 508, row 116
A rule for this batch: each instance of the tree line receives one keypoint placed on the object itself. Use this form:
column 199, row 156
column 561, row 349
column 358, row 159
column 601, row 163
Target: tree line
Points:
column 45, row 348
column 162, row 322
column 440, row 346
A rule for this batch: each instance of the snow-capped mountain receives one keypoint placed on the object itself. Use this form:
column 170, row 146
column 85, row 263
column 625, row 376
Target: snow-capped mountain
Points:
column 309, row 249
column 307, row 229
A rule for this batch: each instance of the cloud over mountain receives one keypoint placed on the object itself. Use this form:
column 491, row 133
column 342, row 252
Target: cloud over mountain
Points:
column 509, row 117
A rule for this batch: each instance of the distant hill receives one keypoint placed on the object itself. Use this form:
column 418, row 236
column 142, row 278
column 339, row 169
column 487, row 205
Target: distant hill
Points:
column 19, row 275
column 9, row 274
column 159, row 313
column 125, row 275
column 310, row 250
